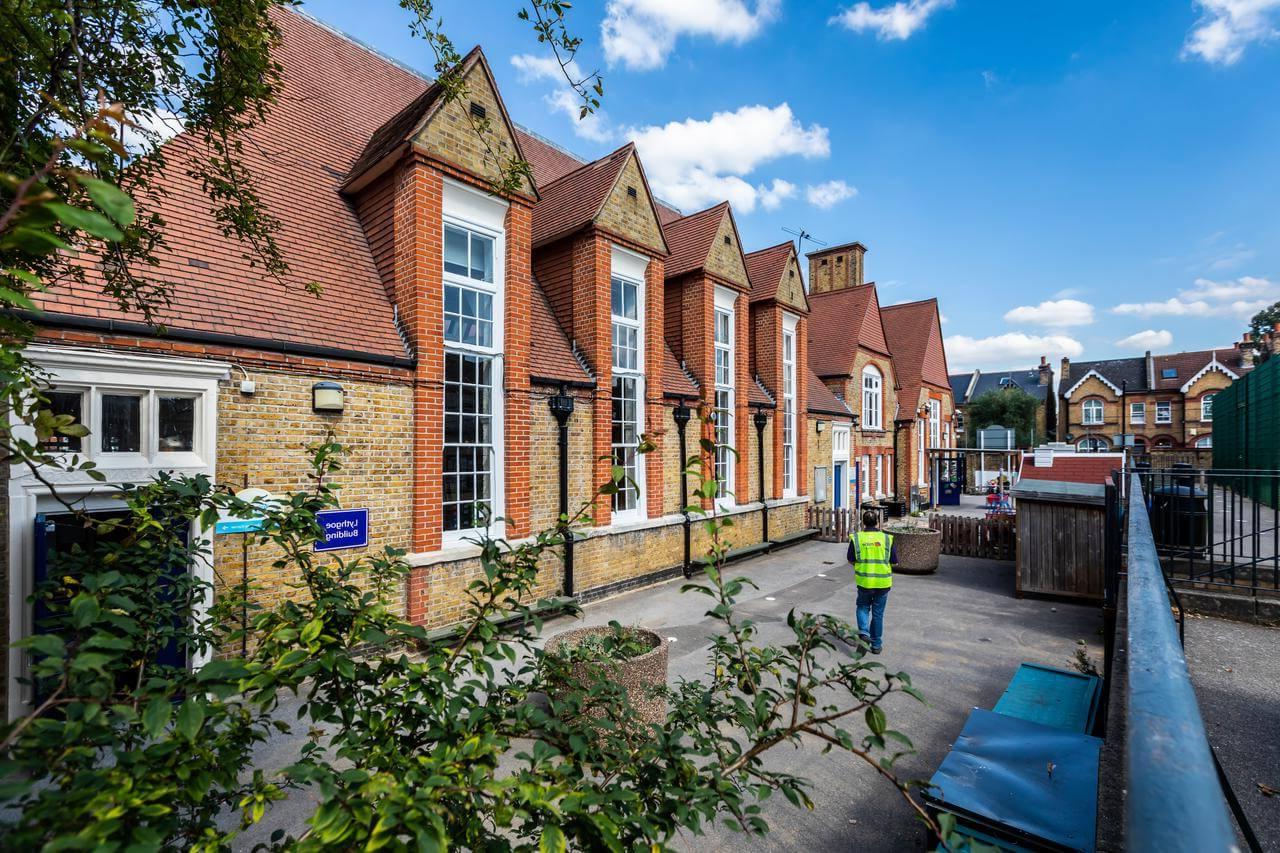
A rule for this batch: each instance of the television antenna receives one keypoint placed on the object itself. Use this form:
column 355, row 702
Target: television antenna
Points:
column 801, row 235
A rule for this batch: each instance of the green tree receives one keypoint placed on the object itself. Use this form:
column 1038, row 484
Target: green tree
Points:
column 1008, row 407
column 1264, row 321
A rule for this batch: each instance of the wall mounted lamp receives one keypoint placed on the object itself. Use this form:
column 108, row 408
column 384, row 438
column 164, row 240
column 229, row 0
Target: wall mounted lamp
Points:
column 820, row 426
column 327, row 398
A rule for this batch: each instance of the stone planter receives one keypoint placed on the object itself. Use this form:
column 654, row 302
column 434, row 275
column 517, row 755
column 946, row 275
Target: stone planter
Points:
column 641, row 676
column 918, row 549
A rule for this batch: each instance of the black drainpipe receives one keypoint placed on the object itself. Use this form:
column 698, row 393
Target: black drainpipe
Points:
column 681, row 414
column 562, row 408
column 761, row 419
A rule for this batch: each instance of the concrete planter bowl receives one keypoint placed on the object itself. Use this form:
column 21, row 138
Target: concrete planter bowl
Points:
column 918, row 549
column 641, row 676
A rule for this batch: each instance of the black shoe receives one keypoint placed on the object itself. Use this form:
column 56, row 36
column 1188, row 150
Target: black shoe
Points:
column 875, row 650
column 866, row 638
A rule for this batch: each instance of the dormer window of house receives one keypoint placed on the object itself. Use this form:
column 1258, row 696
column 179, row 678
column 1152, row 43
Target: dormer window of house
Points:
column 1169, row 373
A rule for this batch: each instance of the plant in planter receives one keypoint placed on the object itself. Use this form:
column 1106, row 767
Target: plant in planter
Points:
column 918, row 548
column 635, row 659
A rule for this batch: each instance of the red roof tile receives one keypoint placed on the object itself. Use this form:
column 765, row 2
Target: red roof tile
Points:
column 574, row 200
column 675, row 381
column 334, row 94
column 550, row 354
column 1188, row 364
column 547, row 162
column 690, row 239
column 1090, row 468
column 915, row 340
column 758, row 395
column 765, row 268
column 822, row 400
column 841, row 322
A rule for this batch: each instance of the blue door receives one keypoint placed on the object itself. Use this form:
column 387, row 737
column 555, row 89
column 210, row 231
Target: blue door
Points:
column 839, row 477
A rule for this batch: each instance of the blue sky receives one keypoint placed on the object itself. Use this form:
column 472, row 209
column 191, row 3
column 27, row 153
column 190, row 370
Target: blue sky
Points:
column 1086, row 178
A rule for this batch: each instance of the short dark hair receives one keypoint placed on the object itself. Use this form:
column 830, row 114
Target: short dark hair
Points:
column 870, row 519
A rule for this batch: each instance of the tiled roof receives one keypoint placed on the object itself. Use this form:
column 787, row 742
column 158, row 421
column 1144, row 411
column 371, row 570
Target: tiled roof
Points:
column 334, row 94
column 1026, row 380
column 1186, row 365
column 822, row 401
column 690, row 239
column 960, row 386
column 1090, row 468
column 399, row 128
column 758, row 395
column 667, row 214
column 765, row 268
column 551, row 356
column 547, row 162
column 676, row 381
column 1127, row 373
column 915, row 340
column 840, row 322
column 572, row 201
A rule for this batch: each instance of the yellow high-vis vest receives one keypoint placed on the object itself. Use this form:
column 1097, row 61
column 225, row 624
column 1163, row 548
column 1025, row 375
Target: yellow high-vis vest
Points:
column 871, row 549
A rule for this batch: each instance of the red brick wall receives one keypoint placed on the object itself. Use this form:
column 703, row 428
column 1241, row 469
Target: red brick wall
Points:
column 655, row 416
column 519, row 321
column 592, row 266
column 553, row 268
column 802, row 406
column 744, row 441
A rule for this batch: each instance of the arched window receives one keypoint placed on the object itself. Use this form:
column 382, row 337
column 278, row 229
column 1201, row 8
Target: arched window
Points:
column 872, row 398
column 1092, row 412
column 1206, row 409
column 1204, row 441
column 1092, row 443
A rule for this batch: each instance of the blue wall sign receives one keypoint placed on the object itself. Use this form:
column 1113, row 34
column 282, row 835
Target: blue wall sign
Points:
column 239, row 525
column 343, row 528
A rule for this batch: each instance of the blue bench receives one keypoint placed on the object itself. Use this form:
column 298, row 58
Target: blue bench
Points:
column 1025, row 775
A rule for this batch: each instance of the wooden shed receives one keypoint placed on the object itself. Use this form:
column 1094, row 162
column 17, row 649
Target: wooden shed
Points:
column 1060, row 539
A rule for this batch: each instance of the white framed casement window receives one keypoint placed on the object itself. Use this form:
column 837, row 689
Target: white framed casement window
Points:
column 872, row 398
column 145, row 415
column 1137, row 413
column 723, row 415
column 1092, row 444
column 1206, row 407
column 789, row 322
column 867, row 486
column 472, row 483
column 627, row 318
column 1164, row 411
column 935, row 423
column 1091, row 412
column 922, row 476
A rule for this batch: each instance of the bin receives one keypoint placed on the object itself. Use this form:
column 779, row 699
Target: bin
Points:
column 1180, row 517
column 895, row 509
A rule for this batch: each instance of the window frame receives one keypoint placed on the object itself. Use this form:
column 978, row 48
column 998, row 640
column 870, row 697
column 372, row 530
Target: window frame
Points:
column 1089, row 405
column 725, row 306
column 1097, row 443
column 470, row 210
column 628, row 269
column 872, row 398
column 789, row 378
column 1138, row 413
column 1167, row 405
column 1206, row 415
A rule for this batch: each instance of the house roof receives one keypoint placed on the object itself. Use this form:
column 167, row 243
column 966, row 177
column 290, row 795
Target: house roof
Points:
column 334, row 94
column 1127, row 373
column 1187, row 366
column 841, row 322
column 914, row 334
column 822, row 401
column 765, row 268
column 759, row 395
column 1090, row 468
column 1026, row 380
column 547, row 161
column 1131, row 374
column 960, row 383
column 690, row 239
column 551, row 356
column 676, row 381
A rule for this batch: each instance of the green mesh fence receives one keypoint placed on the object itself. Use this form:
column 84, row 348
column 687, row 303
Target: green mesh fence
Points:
column 1246, row 429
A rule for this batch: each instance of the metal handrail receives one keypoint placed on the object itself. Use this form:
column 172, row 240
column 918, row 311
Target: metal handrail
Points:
column 1175, row 801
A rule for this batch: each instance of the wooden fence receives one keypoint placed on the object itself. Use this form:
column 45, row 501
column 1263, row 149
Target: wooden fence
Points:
column 968, row 536
column 833, row 525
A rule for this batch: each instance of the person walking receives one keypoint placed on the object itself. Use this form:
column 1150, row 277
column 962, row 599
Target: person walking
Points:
column 872, row 553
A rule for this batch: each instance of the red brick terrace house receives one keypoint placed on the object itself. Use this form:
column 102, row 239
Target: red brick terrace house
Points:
column 450, row 321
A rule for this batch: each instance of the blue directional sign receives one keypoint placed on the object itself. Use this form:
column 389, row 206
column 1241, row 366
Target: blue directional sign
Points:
column 343, row 528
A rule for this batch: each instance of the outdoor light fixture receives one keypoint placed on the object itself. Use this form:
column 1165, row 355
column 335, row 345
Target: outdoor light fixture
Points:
column 820, row 426
column 760, row 419
column 327, row 398
column 857, row 421
column 681, row 414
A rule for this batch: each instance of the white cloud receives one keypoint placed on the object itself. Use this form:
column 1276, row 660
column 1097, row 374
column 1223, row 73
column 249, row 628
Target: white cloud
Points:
column 776, row 193
column 640, row 34
column 563, row 99
column 1227, row 27
column 1148, row 339
column 897, row 22
column 1241, row 298
column 696, row 162
column 531, row 68
column 1009, row 351
column 828, row 194
column 1054, row 312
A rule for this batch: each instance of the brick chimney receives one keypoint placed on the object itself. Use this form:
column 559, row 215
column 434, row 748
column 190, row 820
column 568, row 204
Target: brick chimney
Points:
column 1066, row 373
column 1046, row 372
column 836, row 268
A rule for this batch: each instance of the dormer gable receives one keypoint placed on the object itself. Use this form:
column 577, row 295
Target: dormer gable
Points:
column 629, row 210
column 775, row 277
column 708, row 241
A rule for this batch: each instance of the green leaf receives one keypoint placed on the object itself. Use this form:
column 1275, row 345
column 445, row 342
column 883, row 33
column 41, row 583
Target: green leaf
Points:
column 89, row 221
column 13, row 297
column 110, row 199
column 156, row 717
column 190, row 718
column 552, row 840
column 876, row 719
column 312, row 630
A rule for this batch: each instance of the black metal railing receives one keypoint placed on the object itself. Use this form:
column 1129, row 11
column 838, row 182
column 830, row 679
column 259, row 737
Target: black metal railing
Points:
column 1177, row 797
column 1216, row 529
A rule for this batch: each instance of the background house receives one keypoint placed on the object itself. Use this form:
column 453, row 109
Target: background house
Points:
column 1037, row 381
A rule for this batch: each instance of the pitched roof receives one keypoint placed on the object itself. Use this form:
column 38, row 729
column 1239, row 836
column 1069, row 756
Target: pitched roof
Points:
column 551, row 356
column 690, row 239
column 822, row 401
column 676, row 381
column 915, row 340
column 1127, row 373
column 547, row 162
column 1026, row 380
column 1090, row 468
column 841, row 322
column 758, row 395
column 334, row 95
column 765, row 268
column 960, row 383
column 1188, row 365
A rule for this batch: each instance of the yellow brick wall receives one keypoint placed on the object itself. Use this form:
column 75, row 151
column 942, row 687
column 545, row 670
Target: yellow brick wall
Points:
column 262, row 440
column 820, row 458
column 631, row 217
column 725, row 259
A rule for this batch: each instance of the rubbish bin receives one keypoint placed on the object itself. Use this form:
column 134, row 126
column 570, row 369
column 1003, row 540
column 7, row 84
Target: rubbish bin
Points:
column 895, row 509
column 1180, row 518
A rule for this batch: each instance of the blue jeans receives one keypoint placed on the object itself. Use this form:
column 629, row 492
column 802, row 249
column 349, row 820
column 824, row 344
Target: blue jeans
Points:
column 871, row 604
